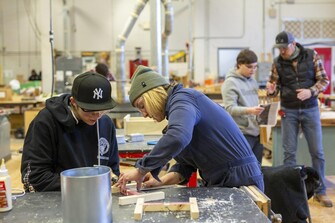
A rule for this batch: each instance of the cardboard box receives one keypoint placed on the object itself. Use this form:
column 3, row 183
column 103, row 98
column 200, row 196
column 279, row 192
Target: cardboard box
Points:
column 145, row 126
column 29, row 115
column 6, row 94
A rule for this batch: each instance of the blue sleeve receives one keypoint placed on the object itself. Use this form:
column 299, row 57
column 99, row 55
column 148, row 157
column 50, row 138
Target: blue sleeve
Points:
column 183, row 116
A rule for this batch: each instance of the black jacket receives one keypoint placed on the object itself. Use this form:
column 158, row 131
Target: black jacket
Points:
column 292, row 78
column 54, row 143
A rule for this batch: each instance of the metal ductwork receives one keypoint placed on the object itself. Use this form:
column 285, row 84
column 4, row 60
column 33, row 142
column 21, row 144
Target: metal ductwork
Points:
column 121, row 79
column 167, row 31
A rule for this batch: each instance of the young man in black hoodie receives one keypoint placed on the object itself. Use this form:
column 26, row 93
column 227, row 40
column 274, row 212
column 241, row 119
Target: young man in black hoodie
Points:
column 72, row 131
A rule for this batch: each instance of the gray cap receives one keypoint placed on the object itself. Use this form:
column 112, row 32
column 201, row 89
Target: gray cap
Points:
column 283, row 39
column 143, row 80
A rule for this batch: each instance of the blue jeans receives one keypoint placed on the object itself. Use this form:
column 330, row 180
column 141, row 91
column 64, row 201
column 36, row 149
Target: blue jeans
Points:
column 309, row 120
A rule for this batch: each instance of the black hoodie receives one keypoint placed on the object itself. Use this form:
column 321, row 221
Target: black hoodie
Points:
column 55, row 142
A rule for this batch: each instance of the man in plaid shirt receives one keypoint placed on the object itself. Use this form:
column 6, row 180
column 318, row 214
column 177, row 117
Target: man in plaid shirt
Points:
column 299, row 75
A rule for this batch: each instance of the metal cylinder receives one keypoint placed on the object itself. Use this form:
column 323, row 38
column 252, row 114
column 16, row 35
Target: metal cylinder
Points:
column 86, row 195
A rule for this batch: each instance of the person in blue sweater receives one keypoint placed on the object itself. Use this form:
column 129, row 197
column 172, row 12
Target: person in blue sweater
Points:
column 200, row 135
column 72, row 131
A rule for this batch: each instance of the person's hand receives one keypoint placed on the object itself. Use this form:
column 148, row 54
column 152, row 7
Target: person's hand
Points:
column 255, row 110
column 271, row 87
column 304, row 94
column 150, row 181
column 133, row 175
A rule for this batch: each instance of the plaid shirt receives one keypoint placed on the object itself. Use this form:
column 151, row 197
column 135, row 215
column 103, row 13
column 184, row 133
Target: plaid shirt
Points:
column 321, row 77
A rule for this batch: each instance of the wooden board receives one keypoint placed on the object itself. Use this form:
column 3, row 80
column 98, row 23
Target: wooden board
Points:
column 262, row 201
column 142, row 125
column 132, row 199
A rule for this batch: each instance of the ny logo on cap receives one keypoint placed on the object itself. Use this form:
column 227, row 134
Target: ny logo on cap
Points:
column 97, row 93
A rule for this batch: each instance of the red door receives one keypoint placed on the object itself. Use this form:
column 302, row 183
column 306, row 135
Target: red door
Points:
column 326, row 56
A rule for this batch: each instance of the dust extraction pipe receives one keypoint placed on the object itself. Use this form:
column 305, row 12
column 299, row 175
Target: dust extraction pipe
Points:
column 121, row 79
column 167, row 31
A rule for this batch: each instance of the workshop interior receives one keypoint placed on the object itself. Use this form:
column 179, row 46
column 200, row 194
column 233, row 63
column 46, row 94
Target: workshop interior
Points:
column 45, row 45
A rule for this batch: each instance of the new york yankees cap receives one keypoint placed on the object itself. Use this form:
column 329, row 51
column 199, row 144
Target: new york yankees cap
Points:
column 92, row 91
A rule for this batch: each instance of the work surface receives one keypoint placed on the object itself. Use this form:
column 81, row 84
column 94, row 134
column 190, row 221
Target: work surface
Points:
column 215, row 205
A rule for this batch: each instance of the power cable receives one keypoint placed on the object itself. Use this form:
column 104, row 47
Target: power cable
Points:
column 51, row 38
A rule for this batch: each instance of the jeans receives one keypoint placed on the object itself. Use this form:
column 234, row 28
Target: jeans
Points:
column 310, row 123
column 256, row 146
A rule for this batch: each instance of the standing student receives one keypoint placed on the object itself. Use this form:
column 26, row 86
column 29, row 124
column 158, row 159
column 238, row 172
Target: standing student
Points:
column 200, row 135
column 103, row 69
column 299, row 74
column 72, row 131
column 240, row 98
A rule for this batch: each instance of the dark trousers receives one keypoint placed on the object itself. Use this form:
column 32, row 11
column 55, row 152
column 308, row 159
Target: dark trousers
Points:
column 256, row 146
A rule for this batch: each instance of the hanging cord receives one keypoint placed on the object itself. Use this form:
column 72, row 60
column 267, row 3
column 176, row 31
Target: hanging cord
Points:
column 18, row 31
column 98, row 134
column 51, row 35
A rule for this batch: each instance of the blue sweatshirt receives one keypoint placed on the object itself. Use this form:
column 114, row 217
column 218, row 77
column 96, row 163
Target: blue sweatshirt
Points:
column 55, row 142
column 202, row 135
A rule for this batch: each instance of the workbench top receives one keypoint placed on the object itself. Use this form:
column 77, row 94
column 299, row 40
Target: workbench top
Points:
column 215, row 205
column 141, row 146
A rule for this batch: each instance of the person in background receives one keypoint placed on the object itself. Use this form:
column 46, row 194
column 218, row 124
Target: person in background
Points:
column 240, row 98
column 299, row 74
column 72, row 131
column 103, row 69
column 34, row 76
column 200, row 135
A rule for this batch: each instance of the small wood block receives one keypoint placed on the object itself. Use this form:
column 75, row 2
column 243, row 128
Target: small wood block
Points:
column 131, row 186
column 194, row 208
column 132, row 199
column 132, row 192
column 139, row 209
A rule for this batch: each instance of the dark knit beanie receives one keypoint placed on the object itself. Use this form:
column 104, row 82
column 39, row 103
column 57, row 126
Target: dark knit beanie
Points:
column 143, row 80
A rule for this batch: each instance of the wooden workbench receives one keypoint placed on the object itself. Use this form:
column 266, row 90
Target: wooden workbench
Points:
column 215, row 205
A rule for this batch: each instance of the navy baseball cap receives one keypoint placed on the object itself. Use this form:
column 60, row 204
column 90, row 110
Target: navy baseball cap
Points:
column 93, row 92
column 283, row 39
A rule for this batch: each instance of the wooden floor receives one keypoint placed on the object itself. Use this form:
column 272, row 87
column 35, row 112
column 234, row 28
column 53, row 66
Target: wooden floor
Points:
column 319, row 214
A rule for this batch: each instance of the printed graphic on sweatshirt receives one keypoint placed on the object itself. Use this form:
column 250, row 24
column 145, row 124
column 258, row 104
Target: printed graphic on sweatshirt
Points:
column 104, row 148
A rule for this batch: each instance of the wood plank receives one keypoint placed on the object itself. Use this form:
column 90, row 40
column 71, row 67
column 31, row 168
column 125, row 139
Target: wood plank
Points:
column 191, row 206
column 194, row 209
column 131, row 186
column 167, row 206
column 261, row 200
column 139, row 209
column 132, row 199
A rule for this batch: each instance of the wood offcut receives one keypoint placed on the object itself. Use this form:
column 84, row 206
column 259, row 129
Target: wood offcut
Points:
column 191, row 206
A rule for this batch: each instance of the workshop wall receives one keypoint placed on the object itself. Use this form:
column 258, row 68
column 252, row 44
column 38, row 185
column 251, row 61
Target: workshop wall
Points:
column 87, row 25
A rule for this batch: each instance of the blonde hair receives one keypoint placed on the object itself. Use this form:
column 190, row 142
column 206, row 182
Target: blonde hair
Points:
column 155, row 101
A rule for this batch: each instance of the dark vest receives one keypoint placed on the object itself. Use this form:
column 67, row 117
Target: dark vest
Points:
column 290, row 79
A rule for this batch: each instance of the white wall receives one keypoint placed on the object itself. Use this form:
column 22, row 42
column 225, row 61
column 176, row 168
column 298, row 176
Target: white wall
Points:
column 95, row 26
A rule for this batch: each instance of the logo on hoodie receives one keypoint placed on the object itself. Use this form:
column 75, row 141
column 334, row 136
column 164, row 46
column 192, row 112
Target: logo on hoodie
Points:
column 103, row 148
